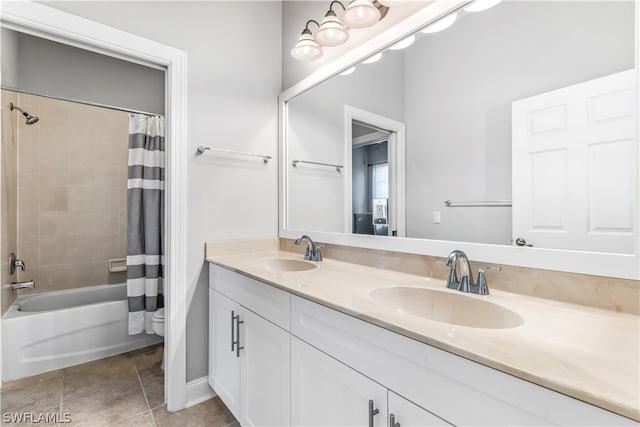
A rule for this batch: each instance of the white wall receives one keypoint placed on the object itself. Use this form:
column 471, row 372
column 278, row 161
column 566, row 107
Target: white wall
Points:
column 459, row 88
column 9, row 57
column 296, row 13
column 234, row 76
column 53, row 69
column 316, row 133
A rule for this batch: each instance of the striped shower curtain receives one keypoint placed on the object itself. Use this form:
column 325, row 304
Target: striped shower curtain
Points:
column 145, row 220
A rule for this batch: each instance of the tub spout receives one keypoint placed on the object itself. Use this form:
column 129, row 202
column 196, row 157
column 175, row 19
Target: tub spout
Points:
column 23, row 285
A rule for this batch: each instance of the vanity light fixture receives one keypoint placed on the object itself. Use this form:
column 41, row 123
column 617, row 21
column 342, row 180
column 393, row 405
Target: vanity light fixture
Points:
column 306, row 48
column 372, row 59
column 406, row 42
column 480, row 5
column 361, row 14
column 348, row 71
column 441, row 24
column 331, row 31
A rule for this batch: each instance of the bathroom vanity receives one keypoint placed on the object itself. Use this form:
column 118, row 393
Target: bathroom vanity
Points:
column 295, row 342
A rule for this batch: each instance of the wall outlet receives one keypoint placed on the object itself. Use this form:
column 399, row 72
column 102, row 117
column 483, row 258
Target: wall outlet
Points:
column 436, row 217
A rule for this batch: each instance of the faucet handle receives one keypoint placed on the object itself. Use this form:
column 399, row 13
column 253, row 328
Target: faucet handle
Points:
column 452, row 281
column 317, row 254
column 482, row 287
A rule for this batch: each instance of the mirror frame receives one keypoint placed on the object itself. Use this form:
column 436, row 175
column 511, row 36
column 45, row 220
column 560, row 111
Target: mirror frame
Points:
column 625, row 266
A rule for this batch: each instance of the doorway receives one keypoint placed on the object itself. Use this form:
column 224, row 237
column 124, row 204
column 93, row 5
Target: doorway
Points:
column 375, row 184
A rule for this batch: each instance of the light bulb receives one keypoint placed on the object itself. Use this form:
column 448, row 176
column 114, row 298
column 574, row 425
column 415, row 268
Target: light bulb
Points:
column 480, row 5
column 361, row 14
column 441, row 24
column 331, row 31
column 372, row 59
column 403, row 43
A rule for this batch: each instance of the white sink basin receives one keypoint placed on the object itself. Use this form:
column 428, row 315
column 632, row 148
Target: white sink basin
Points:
column 447, row 307
column 284, row 264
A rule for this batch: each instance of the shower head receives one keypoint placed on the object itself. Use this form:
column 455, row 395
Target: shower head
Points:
column 30, row 119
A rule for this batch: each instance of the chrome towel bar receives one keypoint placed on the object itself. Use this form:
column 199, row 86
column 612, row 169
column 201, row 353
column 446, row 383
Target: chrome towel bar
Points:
column 294, row 163
column 485, row 203
column 202, row 149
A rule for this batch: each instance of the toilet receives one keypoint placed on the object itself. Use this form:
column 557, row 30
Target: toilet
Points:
column 157, row 322
column 157, row 325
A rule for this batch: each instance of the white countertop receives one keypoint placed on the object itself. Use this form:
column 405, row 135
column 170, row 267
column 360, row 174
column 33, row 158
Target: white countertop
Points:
column 587, row 353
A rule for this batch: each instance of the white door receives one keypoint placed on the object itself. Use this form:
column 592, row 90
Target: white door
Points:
column 265, row 372
column 574, row 166
column 407, row 414
column 224, row 365
column 325, row 392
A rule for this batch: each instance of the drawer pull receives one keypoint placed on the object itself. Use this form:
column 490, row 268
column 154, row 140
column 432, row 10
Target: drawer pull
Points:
column 392, row 421
column 372, row 413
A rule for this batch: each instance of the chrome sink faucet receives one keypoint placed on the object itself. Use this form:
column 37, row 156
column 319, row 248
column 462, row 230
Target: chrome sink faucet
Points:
column 312, row 253
column 466, row 283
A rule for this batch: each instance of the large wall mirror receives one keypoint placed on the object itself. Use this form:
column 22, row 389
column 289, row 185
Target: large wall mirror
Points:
column 516, row 126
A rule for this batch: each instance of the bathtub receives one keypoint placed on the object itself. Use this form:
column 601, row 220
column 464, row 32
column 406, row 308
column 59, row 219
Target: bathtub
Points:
column 53, row 330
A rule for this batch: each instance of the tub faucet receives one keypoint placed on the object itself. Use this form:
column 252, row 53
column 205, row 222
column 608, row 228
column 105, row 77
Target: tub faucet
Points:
column 312, row 253
column 15, row 263
column 28, row 284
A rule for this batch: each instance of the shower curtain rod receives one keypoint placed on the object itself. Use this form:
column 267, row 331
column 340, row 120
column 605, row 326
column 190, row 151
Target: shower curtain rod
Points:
column 93, row 104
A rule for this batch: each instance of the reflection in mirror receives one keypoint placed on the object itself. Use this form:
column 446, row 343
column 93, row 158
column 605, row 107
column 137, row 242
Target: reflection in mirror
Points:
column 523, row 116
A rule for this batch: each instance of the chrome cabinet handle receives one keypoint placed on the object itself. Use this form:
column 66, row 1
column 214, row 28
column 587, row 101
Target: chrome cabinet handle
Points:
column 372, row 413
column 238, row 347
column 392, row 421
column 233, row 330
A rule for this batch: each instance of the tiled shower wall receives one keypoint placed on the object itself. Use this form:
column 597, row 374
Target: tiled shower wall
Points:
column 72, row 190
column 8, row 195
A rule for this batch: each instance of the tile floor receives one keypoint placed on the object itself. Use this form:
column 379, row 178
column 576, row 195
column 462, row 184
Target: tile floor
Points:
column 122, row 390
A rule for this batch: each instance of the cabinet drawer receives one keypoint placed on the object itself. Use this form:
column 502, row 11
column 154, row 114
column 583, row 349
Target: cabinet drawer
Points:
column 460, row 391
column 271, row 303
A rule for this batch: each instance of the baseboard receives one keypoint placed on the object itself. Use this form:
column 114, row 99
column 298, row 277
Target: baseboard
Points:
column 198, row 391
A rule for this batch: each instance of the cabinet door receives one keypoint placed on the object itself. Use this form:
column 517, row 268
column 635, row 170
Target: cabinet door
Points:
column 224, row 365
column 265, row 372
column 403, row 413
column 325, row 392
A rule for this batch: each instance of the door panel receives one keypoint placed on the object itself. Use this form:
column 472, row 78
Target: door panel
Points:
column 265, row 372
column 325, row 392
column 224, row 365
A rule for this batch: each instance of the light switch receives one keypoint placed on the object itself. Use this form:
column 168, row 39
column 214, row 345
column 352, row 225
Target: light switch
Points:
column 436, row 217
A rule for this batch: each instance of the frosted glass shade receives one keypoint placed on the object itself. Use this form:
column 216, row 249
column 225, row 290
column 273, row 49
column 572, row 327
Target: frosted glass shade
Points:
column 331, row 31
column 306, row 49
column 360, row 14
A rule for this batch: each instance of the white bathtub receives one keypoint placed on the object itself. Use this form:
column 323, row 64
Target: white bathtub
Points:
column 53, row 330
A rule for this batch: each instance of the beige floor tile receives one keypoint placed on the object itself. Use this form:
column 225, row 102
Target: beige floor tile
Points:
column 148, row 358
column 141, row 420
column 114, row 368
column 211, row 413
column 154, row 389
column 105, row 402
column 38, row 396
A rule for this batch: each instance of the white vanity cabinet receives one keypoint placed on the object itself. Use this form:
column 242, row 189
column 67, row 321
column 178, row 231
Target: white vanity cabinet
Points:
column 325, row 392
column 249, row 366
column 403, row 413
column 301, row 363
